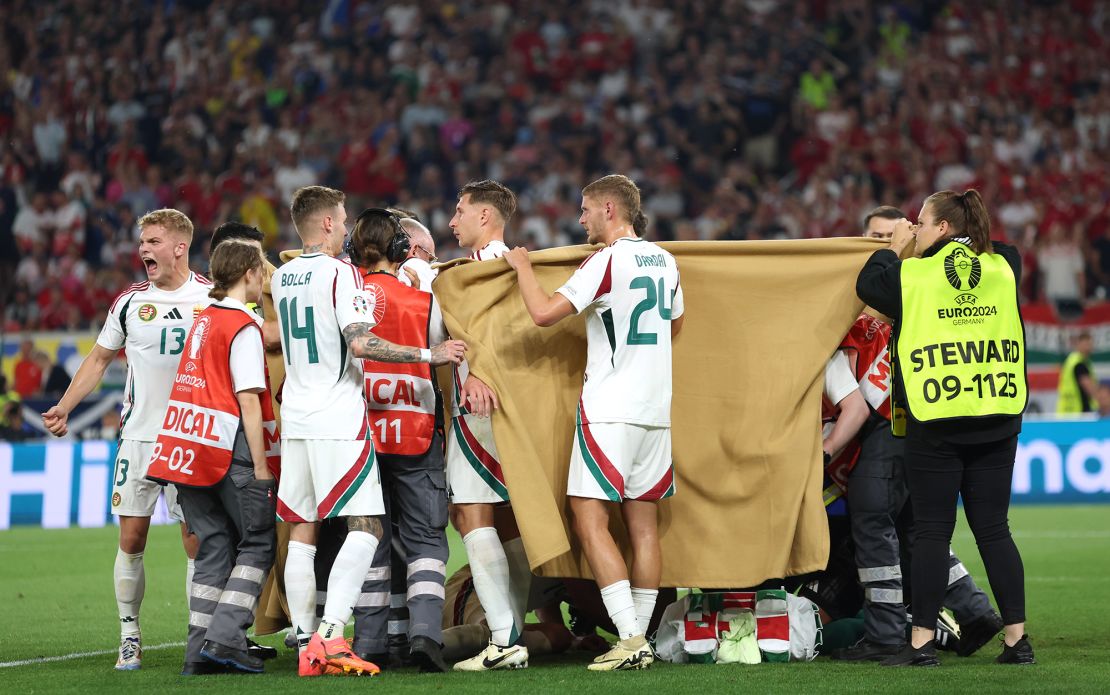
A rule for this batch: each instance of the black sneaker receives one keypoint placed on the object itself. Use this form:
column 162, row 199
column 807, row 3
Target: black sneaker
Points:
column 379, row 659
column 426, row 654
column 203, row 668
column 924, row 656
column 1021, row 654
column 237, row 659
column 866, row 650
column 260, row 651
column 976, row 633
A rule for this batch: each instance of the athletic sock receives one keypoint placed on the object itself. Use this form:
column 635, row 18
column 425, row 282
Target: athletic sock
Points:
column 300, row 587
column 617, row 598
column 190, row 567
column 520, row 580
column 490, row 569
column 345, row 581
column 644, row 600
column 130, row 584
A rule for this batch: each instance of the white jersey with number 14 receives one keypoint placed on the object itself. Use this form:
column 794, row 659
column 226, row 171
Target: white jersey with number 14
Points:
column 316, row 297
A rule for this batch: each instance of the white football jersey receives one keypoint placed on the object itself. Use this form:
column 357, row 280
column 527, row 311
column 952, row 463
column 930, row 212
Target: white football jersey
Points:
column 631, row 292
column 151, row 325
column 316, row 297
column 494, row 249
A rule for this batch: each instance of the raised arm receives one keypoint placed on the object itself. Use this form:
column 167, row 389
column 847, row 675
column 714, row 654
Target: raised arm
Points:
column 544, row 309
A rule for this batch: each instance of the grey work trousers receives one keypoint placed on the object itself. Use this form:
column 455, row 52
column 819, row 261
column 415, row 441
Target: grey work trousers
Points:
column 876, row 495
column 415, row 494
column 234, row 521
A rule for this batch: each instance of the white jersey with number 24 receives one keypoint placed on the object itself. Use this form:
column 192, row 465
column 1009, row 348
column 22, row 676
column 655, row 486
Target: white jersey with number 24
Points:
column 630, row 291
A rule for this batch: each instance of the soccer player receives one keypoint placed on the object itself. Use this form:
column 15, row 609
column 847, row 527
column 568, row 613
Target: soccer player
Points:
column 631, row 295
column 328, row 454
column 474, row 475
column 149, row 321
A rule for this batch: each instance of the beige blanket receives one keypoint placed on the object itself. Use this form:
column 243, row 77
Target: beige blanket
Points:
column 762, row 318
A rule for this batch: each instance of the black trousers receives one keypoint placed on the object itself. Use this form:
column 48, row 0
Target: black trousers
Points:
column 939, row 473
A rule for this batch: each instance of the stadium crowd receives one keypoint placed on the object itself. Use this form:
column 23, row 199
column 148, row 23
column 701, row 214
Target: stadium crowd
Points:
column 223, row 109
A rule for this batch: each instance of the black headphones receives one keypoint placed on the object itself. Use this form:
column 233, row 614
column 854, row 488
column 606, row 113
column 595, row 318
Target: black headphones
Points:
column 397, row 250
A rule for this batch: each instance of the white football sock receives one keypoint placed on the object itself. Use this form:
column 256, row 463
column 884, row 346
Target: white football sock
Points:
column 345, row 581
column 190, row 567
column 490, row 569
column 617, row 598
column 300, row 587
column 130, row 582
column 520, row 579
column 644, row 600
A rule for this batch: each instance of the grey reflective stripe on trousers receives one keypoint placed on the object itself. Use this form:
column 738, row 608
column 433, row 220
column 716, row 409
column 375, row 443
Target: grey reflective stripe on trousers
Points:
column 964, row 597
column 876, row 495
column 419, row 540
column 222, row 602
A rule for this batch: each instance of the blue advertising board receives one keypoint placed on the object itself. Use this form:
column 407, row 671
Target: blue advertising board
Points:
column 61, row 484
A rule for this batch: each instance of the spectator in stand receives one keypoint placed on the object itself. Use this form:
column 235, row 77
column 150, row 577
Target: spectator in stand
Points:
column 1062, row 270
column 28, row 374
column 186, row 104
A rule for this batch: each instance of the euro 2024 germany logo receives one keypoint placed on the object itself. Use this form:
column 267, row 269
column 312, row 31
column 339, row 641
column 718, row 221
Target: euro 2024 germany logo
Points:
column 963, row 271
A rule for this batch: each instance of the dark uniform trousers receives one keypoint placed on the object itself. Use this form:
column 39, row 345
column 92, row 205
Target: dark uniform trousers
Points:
column 411, row 557
column 234, row 522
column 877, row 496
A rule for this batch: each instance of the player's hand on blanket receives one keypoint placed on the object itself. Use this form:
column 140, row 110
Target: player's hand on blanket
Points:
column 518, row 258
column 479, row 398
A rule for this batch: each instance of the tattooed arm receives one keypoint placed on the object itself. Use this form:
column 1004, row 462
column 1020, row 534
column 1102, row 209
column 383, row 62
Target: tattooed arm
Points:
column 365, row 345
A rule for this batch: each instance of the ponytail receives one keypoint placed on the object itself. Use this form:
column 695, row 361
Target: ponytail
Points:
column 966, row 213
column 978, row 221
column 639, row 223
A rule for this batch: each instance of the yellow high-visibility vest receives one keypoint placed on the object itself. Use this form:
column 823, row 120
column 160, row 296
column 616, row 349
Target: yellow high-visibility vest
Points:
column 961, row 347
column 1069, row 400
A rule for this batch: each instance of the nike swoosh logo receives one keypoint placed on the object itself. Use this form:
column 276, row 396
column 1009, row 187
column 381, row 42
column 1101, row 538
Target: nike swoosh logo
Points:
column 492, row 663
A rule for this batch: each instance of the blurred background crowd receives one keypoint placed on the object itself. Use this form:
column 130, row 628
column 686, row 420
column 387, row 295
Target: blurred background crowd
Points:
column 740, row 119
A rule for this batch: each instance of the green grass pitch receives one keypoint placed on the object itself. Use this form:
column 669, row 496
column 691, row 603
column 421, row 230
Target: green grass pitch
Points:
column 56, row 600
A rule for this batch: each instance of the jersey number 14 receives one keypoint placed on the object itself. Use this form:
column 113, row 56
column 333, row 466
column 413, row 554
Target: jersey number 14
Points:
column 293, row 328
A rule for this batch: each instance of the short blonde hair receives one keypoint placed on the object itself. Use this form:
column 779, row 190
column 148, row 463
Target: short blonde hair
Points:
column 174, row 221
column 622, row 189
column 310, row 200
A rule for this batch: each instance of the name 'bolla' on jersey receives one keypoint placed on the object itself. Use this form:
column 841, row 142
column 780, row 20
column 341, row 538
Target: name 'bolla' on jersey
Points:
column 150, row 325
column 316, row 297
column 631, row 292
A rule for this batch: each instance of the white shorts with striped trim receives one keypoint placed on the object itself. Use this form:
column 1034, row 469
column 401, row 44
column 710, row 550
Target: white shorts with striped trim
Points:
column 474, row 473
column 326, row 478
column 132, row 493
column 618, row 461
